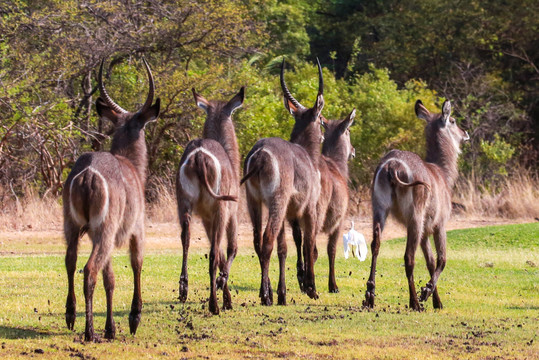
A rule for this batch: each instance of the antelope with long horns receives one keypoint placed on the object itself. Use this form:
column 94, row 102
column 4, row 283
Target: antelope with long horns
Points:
column 333, row 201
column 209, row 167
column 418, row 194
column 104, row 197
column 283, row 176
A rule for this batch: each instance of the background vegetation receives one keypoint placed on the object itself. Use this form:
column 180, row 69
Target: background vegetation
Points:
column 378, row 56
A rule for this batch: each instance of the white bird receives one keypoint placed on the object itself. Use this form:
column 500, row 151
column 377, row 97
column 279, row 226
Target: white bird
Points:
column 355, row 242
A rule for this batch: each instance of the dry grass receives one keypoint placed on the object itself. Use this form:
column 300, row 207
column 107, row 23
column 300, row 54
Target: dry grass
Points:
column 31, row 212
column 517, row 198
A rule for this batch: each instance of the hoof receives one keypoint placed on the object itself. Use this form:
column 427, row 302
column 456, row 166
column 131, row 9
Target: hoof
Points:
column 333, row 290
column 301, row 281
column 70, row 320
column 426, row 292
column 110, row 330
column 281, row 299
column 417, row 307
column 266, row 296
column 267, row 299
column 214, row 308
column 110, row 334
column 369, row 299
column 183, row 289
column 311, row 292
column 89, row 336
column 369, row 295
column 227, row 300
column 221, row 281
column 134, row 320
column 436, row 303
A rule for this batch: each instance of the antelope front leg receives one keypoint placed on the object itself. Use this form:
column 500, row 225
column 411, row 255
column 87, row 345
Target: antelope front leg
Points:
column 232, row 249
column 109, row 282
column 300, row 268
column 440, row 242
column 431, row 266
column 266, row 293
column 309, row 247
column 332, row 249
column 135, row 249
column 375, row 248
column 281, row 252
column 215, row 258
column 214, row 264
column 412, row 242
column 185, row 221
column 72, row 236
column 90, row 274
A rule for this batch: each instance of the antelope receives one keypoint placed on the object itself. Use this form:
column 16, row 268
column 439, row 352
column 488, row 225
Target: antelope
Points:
column 333, row 201
column 104, row 197
column 210, row 166
column 283, row 176
column 418, row 194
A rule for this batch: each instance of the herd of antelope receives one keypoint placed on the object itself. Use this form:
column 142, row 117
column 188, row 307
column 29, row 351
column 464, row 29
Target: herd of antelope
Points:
column 104, row 197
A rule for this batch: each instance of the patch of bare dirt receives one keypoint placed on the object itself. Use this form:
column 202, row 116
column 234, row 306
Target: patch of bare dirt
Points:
column 166, row 236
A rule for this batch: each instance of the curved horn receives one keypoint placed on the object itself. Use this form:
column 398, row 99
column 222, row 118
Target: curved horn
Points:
column 105, row 94
column 286, row 92
column 149, row 99
column 320, row 78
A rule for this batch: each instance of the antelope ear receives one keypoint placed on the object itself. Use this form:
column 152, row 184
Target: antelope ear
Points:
column 105, row 112
column 350, row 119
column 152, row 113
column 446, row 111
column 201, row 101
column 324, row 123
column 290, row 107
column 421, row 111
column 235, row 102
column 319, row 105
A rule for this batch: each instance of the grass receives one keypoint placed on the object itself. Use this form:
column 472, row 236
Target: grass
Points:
column 515, row 198
column 490, row 291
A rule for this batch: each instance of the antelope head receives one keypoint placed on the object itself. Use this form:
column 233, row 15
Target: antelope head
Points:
column 128, row 124
column 337, row 137
column 442, row 127
column 308, row 120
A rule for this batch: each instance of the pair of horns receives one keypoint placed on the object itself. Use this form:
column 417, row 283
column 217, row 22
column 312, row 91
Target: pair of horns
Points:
column 287, row 93
column 118, row 108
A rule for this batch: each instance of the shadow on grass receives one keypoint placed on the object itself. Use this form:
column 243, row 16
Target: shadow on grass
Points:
column 12, row 333
column 523, row 307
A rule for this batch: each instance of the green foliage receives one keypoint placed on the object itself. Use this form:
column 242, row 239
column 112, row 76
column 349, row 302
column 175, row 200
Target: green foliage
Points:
column 379, row 57
column 497, row 153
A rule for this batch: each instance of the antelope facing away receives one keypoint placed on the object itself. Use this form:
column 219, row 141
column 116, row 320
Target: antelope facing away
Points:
column 333, row 201
column 208, row 167
column 104, row 197
column 283, row 176
column 418, row 194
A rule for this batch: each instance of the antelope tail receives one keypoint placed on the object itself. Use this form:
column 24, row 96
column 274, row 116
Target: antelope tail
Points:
column 248, row 175
column 203, row 177
column 395, row 176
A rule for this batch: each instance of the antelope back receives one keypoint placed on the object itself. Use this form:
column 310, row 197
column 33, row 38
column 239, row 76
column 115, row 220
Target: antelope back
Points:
column 219, row 126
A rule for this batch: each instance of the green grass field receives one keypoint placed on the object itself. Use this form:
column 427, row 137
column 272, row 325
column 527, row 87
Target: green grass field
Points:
column 490, row 292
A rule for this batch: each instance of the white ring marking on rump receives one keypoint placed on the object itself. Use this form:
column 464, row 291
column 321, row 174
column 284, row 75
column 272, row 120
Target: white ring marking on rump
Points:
column 94, row 222
column 191, row 186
